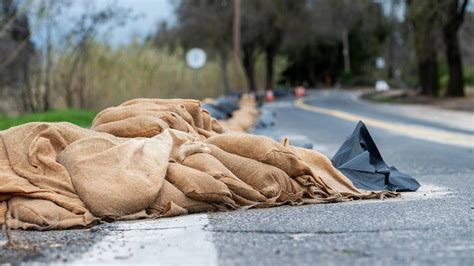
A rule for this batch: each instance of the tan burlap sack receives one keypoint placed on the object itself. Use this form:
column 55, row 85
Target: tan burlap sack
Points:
column 117, row 113
column 145, row 125
column 133, row 127
column 116, row 177
column 208, row 164
column 216, row 126
column 193, row 107
column 198, row 185
column 244, row 118
column 184, row 144
column 3, row 211
column 241, row 121
column 28, row 169
column 170, row 198
column 262, row 149
column 206, row 120
column 38, row 214
column 267, row 179
column 147, row 118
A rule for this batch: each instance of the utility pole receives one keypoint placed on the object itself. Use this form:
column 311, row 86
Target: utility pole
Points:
column 236, row 47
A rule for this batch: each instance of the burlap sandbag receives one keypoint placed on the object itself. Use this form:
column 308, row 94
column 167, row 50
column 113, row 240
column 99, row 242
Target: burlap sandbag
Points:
column 146, row 118
column 115, row 177
column 145, row 125
column 262, row 149
column 170, row 197
column 29, row 169
column 242, row 120
column 267, row 179
column 192, row 106
column 198, row 185
column 216, row 126
column 185, row 144
column 122, row 112
column 206, row 120
column 208, row 164
column 32, row 150
column 37, row 214
column 3, row 212
column 133, row 127
column 46, row 206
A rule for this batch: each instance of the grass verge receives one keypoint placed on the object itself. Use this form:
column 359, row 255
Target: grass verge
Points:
column 79, row 117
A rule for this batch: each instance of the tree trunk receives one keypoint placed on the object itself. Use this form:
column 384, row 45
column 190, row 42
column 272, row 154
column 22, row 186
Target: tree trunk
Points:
column 28, row 98
column 225, row 72
column 49, row 63
column 455, row 10
column 423, row 19
column 269, row 62
column 428, row 74
column 453, row 56
column 236, row 45
column 427, row 61
column 248, row 62
column 345, row 51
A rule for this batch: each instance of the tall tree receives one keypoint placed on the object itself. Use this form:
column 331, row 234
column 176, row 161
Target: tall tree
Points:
column 424, row 18
column 16, row 52
column 453, row 17
column 78, row 42
column 275, row 27
column 347, row 12
column 207, row 23
column 251, row 38
column 48, row 12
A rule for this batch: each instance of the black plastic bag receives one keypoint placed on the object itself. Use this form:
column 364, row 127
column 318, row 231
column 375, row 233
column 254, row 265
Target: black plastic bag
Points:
column 359, row 159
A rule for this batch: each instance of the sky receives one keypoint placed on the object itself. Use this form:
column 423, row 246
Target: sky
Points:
column 149, row 13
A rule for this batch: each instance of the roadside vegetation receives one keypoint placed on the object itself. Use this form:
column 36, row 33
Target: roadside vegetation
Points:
column 426, row 47
column 81, row 118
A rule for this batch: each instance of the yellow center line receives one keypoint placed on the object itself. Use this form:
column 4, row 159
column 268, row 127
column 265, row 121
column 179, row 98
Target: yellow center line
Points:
column 419, row 132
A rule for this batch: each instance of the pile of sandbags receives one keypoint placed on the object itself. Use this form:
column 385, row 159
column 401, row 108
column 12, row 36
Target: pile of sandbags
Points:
column 150, row 158
column 243, row 118
column 222, row 107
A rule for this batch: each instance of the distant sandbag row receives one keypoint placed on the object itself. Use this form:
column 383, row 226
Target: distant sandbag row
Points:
column 150, row 158
column 234, row 115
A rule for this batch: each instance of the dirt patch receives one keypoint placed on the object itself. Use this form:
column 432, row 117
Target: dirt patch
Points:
column 404, row 96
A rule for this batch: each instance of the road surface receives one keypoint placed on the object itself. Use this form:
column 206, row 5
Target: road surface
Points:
column 433, row 226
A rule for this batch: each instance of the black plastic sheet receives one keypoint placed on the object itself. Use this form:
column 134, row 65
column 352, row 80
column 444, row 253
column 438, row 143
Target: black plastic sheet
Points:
column 360, row 160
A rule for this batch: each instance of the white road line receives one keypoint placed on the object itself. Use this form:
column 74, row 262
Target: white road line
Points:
column 167, row 241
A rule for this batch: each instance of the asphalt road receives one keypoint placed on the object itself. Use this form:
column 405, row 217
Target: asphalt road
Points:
column 433, row 226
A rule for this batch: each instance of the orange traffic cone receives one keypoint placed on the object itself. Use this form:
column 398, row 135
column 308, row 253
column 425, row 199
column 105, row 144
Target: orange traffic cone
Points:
column 269, row 96
column 300, row 91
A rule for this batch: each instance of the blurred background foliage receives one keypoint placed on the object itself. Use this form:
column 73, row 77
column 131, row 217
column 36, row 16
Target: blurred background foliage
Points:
column 425, row 45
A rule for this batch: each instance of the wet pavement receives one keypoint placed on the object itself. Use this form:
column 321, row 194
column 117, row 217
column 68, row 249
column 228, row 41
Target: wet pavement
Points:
column 433, row 226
